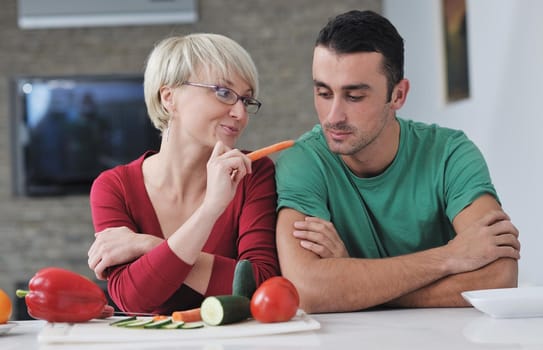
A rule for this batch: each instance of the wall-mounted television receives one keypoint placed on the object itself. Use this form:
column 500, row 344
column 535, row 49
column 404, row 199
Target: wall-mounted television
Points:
column 65, row 130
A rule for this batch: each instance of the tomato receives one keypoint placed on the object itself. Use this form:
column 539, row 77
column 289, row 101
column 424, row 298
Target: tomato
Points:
column 5, row 307
column 275, row 300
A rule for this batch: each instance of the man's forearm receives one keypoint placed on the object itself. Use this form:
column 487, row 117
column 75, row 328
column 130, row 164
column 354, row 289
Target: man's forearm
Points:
column 446, row 292
column 348, row 284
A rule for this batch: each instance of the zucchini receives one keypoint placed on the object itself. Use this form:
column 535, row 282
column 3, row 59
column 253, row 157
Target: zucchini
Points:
column 244, row 279
column 225, row 309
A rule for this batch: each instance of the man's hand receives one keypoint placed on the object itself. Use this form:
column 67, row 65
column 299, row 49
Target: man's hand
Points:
column 320, row 237
column 118, row 245
column 484, row 241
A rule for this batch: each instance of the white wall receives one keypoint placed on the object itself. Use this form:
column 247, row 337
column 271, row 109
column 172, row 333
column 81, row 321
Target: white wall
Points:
column 505, row 43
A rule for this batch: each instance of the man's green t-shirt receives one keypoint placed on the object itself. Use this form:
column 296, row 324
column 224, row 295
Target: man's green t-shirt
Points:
column 436, row 173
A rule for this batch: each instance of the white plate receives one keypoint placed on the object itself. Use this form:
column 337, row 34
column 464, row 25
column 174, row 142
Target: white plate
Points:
column 508, row 302
column 4, row 328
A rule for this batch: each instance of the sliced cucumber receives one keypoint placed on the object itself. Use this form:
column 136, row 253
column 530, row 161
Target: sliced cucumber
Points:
column 147, row 323
column 122, row 321
column 244, row 279
column 225, row 309
column 192, row 325
column 158, row 323
column 138, row 323
column 173, row 325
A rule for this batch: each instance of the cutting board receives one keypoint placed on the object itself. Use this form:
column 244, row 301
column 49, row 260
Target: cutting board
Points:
column 100, row 331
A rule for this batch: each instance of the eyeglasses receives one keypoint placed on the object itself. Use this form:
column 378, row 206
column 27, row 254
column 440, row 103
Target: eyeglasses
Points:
column 230, row 97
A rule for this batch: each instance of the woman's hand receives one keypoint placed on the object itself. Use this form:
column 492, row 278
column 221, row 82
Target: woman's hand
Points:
column 320, row 237
column 225, row 169
column 118, row 245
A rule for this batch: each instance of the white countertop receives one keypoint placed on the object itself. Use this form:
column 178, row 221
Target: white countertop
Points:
column 458, row 329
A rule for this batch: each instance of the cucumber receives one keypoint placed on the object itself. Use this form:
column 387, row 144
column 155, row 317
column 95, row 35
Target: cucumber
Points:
column 137, row 323
column 123, row 321
column 244, row 279
column 173, row 325
column 225, row 309
column 159, row 323
column 192, row 325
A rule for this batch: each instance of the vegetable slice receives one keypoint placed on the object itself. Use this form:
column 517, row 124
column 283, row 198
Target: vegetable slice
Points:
column 192, row 325
column 192, row 315
column 225, row 309
column 173, row 325
column 138, row 323
column 160, row 317
column 122, row 321
column 158, row 323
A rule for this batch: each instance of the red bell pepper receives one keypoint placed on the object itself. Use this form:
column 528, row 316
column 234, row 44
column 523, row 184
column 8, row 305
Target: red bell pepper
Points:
column 59, row 295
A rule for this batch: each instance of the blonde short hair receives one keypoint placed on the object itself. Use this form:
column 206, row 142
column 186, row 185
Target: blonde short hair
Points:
column 174, row 59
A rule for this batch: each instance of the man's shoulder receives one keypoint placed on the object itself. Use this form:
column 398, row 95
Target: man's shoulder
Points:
column 314, row 135
column 311, row 141
column 310, row 148
column 433, row 132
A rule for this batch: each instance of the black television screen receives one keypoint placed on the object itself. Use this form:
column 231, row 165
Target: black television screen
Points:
column 66, row 130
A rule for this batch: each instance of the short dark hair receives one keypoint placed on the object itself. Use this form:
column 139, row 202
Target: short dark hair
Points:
column 366, row 31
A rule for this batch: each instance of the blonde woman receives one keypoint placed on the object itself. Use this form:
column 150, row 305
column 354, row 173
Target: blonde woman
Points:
column 171, row 225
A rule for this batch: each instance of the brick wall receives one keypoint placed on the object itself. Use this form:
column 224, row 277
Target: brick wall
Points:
column 38, row 232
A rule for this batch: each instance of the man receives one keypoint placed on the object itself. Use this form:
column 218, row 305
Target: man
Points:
column 378, row 210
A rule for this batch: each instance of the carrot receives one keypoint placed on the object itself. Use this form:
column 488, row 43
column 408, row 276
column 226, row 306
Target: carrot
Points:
column 259, row 153
column 192, row 315
column 159, row 317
